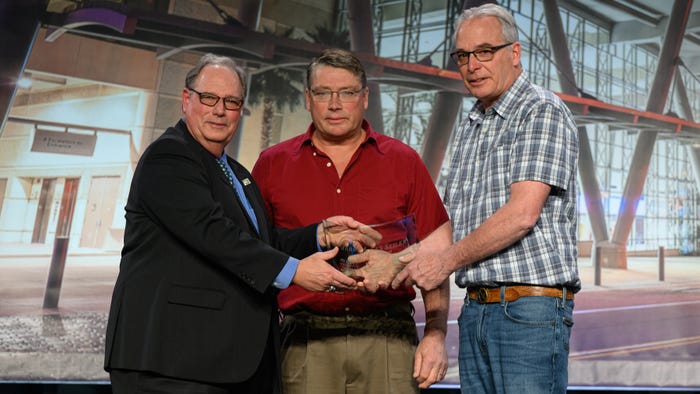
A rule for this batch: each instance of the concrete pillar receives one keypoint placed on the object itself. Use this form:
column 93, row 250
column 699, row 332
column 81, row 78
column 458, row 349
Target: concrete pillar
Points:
column 437, row 135
column 249, row 13
column 693, row 151
column 555, row 27
column 683, row 102
column 586, row 164
column 611, row 254
column 646, row 140
column 694, row 156
column 362, row 41
column 442, row 120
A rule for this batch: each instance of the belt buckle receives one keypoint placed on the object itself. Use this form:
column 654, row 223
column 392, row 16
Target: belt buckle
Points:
column 482, row 295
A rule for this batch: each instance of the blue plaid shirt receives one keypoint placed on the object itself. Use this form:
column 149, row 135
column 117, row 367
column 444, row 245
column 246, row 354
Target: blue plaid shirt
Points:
column 527, row 135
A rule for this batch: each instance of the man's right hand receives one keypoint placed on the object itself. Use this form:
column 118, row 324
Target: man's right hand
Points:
column 344, row 230
column 314, row 273
column 378, row 267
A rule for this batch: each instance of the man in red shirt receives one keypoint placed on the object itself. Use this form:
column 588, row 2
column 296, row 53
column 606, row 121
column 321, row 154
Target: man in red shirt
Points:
column 352, row 341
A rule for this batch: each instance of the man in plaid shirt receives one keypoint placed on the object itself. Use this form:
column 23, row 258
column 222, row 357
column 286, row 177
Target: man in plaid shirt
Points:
column 511, row 195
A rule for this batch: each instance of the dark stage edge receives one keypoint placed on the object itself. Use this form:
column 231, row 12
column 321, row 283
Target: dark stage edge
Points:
column 105, row 388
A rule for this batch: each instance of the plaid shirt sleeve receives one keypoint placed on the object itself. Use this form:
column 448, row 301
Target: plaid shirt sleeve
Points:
column 543, row 146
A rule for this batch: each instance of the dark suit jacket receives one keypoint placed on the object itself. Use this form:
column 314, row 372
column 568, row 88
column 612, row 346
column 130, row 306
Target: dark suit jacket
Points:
column 194, row 297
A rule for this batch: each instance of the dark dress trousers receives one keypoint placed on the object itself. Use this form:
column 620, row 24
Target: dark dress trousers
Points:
column 194, row 297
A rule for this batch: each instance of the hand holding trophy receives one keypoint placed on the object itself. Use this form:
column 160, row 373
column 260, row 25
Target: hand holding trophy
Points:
column 374, row 269
column 349, row 236
column 379, row 267
column 346, row 232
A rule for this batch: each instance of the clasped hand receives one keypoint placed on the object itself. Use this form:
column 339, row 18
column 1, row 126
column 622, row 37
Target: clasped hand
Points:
column 343, row 231
column 377, row 268
column 314, row 273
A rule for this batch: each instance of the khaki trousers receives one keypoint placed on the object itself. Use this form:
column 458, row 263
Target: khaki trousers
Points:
column 346, row 361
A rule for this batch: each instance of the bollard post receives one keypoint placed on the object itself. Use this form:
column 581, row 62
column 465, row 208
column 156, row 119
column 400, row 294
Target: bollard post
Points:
column 662, row 264
column 596, row 265
column 55, row 280
column 60, row 246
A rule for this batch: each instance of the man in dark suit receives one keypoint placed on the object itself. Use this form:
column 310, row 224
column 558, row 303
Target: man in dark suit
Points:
column 194, row 307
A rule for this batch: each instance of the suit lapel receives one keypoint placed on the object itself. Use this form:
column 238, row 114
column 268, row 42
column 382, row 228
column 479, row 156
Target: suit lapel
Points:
column 241, row 174
column 253, row 197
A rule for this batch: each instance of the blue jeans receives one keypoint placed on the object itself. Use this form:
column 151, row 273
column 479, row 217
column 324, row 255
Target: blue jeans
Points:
column 515, row 347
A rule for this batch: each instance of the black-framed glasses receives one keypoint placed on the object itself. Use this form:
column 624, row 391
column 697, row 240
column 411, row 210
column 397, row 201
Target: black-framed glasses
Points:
column 210, row 100
column 344, row 95
column 482, row 54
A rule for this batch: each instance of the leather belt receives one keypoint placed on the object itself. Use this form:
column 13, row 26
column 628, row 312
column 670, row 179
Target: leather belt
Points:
column 396, row 321
column 486, row 295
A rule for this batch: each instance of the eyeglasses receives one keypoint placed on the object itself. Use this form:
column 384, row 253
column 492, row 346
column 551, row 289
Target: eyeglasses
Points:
column 344, row 95
column 481, row 54
column 210, row 100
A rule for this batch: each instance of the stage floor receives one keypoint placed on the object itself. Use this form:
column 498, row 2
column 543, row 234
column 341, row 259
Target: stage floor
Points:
column 631, row 331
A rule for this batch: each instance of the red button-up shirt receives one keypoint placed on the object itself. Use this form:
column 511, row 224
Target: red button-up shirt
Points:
column 384, row 181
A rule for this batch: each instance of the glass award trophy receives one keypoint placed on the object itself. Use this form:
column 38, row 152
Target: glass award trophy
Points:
column 397, row 235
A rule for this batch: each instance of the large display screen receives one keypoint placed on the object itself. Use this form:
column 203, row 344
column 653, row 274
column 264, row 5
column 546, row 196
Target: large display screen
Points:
column 67, row 154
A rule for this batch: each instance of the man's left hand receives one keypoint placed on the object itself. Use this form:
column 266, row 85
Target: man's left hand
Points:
column 430, row 365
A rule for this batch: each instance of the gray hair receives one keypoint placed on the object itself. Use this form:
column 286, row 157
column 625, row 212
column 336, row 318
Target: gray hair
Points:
column 509, row 29
column 216, row 60
column 338, row 58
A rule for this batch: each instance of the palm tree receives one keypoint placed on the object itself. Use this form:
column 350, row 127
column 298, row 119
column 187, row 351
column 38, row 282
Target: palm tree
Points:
column 275, row 90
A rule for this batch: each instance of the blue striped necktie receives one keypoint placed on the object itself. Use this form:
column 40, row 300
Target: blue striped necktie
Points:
column 239, row 190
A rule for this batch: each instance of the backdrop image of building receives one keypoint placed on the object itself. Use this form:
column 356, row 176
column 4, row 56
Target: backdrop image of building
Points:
column 87, row 85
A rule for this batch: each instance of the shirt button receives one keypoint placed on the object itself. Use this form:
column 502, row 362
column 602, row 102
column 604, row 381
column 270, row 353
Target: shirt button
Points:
column 314, row 153
column 337, row 191
column 328, row 164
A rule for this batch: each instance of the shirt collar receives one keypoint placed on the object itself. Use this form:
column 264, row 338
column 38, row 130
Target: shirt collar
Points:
column 504, row 105
column 370, row 137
